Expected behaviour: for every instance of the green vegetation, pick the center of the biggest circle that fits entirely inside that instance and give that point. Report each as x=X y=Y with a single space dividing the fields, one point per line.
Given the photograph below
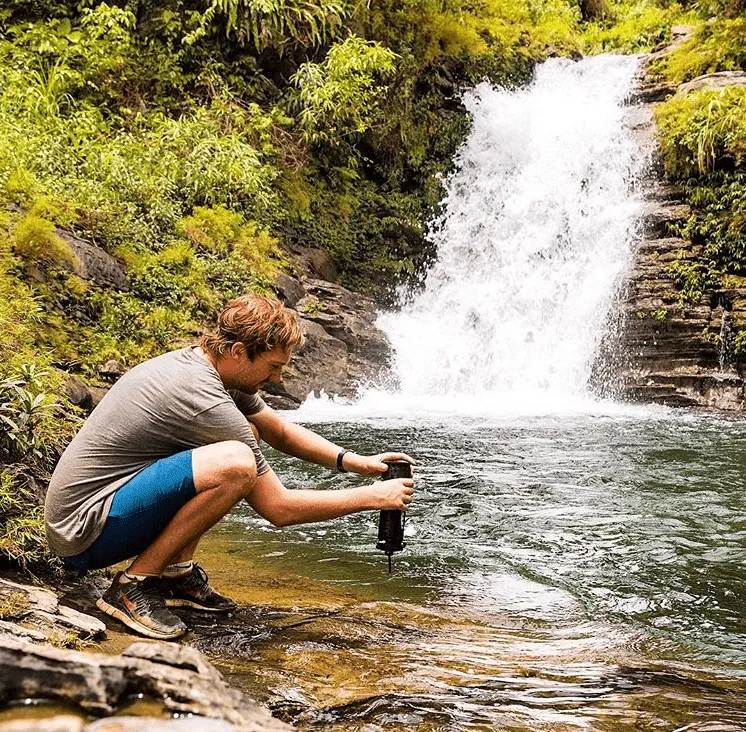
x=703 y=143
x=633 y=27
x=716 y=45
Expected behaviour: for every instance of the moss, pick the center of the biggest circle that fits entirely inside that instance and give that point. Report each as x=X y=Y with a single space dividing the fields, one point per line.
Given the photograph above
x=34 y=238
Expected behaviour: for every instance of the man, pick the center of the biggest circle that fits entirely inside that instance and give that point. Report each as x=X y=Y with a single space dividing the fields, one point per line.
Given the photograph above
x=171 y=449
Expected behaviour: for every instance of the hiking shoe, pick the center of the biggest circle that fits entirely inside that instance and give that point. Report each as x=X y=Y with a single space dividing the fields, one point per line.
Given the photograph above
x=193 y=590
x=139 y=605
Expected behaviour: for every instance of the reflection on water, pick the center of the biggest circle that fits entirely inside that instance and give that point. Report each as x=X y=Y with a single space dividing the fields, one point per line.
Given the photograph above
x=560 y=573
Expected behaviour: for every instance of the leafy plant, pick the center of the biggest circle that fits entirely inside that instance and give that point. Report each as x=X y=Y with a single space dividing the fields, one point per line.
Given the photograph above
x=22 y=534
x=692 y=279
x=23 y=407
x=342 y=94
x=716 y=45
x=702 y=131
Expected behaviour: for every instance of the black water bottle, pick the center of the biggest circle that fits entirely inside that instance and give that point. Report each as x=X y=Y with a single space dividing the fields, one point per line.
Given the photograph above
x=391 y=521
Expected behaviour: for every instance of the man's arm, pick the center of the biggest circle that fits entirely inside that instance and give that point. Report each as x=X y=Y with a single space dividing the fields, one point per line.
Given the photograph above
x=300 y=442
x=283 y=507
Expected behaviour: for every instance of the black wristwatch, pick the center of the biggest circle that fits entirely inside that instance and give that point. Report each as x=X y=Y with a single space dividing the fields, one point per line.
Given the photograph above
x=340 y=467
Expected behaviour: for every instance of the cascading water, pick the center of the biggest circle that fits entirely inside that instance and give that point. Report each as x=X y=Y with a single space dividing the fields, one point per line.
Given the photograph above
x=539 y=227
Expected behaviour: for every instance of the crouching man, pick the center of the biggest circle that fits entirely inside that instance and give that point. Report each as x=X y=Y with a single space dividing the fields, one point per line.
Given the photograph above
x=171 y=449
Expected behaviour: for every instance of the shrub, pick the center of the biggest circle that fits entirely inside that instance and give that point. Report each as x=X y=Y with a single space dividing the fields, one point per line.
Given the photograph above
x=22 y=533
x=342 y=94
x=702 y=131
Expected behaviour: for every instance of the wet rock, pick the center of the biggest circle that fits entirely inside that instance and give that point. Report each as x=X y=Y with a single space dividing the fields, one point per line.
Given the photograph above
x=660 y=216
x=60 y=723
x=172 y=655
x=98 y=684
x=138 y=724
x=648 y=93
x=94 y=263
x=665 y=349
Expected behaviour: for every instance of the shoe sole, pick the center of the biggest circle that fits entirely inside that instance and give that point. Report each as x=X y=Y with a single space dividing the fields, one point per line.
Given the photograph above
x=131 y=623
x=197 y=606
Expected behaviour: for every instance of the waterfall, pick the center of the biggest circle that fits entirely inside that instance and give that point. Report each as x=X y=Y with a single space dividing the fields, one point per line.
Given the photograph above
x=538 y=229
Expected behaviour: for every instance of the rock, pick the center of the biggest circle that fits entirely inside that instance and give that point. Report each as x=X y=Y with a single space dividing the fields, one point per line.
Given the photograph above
x=111 y=370
x=60 y=723
x=718 y=80
x=654 y=92
x=666 y=350
x=288 y=289
x=33 y=599
x=343 y=347
x=94 y=263
x=140 y=724
x=659 y=216
x=78 y=393
x=40 y=609
x=83 y=395
x=172 y=655
x=317 y=263
x=348 y=316
x=321 y=363
x=97 y=394
x=98 y=683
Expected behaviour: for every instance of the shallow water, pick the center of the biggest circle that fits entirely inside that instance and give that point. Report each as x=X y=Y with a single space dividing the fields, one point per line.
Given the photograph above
x=561 y=572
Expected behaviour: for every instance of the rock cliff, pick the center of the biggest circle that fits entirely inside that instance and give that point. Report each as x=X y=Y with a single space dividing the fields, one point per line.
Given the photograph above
x=667 y=348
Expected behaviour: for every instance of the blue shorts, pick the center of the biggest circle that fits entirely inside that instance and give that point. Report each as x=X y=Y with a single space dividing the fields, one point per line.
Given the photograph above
x=141 y=509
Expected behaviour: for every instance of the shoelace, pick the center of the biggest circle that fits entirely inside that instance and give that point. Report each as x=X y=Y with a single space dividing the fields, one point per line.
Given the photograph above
x=198 y=577
x=147 y=590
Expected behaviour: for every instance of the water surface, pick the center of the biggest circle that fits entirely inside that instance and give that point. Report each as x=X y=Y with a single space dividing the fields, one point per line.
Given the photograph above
x=561 y=572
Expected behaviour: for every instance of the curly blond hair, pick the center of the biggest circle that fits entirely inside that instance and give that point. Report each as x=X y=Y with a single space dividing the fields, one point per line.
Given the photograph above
x=260 y=323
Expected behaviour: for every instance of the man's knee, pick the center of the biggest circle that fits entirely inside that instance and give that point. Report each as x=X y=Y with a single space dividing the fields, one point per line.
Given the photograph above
x=229 y=464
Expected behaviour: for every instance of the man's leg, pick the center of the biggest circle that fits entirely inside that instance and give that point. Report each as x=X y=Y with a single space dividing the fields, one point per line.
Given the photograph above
x=223 y=474
x=219 y=476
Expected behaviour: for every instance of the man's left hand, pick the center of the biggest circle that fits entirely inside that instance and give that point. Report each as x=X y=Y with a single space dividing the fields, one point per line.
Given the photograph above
x=371 y=465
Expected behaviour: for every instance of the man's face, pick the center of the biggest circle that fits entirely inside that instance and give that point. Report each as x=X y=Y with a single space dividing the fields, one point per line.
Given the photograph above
x=266 y=366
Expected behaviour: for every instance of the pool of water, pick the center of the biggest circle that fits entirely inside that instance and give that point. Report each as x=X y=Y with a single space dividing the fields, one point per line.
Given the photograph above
x=583 y=570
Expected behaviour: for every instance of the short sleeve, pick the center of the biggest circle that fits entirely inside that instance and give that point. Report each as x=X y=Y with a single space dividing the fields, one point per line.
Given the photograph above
x=225 y=422
x=247 y=404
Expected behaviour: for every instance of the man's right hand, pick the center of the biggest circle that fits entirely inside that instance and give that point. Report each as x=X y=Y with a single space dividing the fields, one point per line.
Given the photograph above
x=394 y=494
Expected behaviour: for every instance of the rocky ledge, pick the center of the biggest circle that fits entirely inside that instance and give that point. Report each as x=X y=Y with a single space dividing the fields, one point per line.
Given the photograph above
x=38 y=663
x=674 y=351
x=343 y=350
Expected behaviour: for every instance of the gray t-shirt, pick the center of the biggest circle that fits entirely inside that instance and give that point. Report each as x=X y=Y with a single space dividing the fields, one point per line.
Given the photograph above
x=166 y=405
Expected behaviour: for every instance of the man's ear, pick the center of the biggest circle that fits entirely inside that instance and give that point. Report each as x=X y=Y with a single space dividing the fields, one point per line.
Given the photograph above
x=238 y=350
